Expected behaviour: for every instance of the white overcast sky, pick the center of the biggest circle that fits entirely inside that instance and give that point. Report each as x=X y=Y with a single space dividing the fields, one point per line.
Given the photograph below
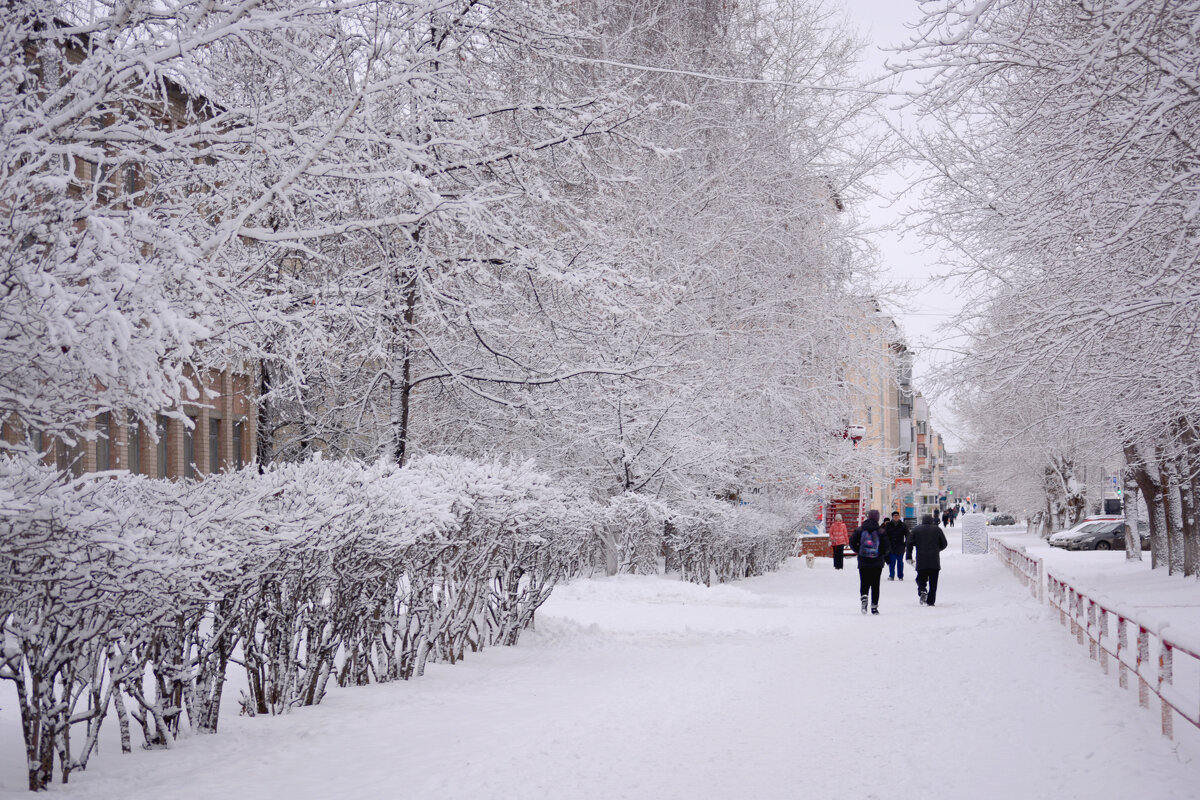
x=904 y=258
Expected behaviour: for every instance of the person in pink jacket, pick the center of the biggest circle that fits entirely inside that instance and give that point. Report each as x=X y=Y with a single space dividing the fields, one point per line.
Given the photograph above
x=839 y=537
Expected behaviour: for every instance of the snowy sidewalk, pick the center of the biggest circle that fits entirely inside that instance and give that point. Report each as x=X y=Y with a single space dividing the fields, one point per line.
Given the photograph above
x=1155 y=597
x=650 y=688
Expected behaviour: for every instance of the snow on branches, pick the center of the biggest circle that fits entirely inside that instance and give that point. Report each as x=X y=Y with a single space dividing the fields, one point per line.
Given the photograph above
x=1064 y=144
x=138 y=595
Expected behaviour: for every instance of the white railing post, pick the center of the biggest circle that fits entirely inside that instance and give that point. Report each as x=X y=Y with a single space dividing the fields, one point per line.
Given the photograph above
x=1060 y=595
x=1166 y=677
x=1122 y=646
x=1091 y=629
x=1081 y=616
x=1143 y=655
x=1103 y=635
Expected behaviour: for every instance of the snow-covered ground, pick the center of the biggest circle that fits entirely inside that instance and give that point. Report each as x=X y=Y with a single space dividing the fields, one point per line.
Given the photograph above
x=775 y=687
x=1153 y=597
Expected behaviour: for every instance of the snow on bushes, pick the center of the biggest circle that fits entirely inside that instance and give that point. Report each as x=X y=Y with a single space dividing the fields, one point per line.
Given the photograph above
x=136 y=595
x=708 y=540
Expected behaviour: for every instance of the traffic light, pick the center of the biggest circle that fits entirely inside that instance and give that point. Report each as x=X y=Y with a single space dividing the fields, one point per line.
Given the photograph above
x=949 y=491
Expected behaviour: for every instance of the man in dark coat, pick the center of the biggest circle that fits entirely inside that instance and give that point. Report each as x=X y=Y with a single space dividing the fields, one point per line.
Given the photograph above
x=929 y=542
x=872 y=548
x=896 y=533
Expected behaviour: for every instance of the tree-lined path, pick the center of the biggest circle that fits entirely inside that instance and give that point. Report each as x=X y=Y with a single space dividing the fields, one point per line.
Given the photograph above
x=652 y=688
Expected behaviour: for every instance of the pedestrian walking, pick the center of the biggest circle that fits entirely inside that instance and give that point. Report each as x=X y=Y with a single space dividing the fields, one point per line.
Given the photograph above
x=946 y=519
x=896 y=533
x=929 y=541
x=839 y=537
x=871 y=546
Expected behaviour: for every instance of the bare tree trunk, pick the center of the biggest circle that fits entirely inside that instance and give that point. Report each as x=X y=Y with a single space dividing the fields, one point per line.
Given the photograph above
x=122 y=719
x=28 y=699
x=1189 y=491
x=1187 y=527
x=1151 y=494
x=1169 y=480
x=402 y=373
x=1192 y=531
x=264 y=431
x=1133 y=538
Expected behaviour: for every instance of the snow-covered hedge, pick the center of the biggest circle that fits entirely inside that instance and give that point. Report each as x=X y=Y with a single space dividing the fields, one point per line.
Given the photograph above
x=136 y=595
x=708 y=540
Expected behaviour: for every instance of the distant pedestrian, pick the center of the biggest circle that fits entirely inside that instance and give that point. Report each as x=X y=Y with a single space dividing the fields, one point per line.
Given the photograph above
x=871 y=546
x=839 y=537
x=895 y=532
x=929 y=541
x=946 y=518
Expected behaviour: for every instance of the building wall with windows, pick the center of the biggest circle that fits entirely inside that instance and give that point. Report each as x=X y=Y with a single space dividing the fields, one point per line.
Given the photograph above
x=219 y=434
x=194 y=440
x=876 y=404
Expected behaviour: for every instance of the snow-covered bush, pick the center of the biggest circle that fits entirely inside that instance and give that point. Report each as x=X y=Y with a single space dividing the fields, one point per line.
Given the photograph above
x=137 y=595
x=708 y=540
x=631 y=534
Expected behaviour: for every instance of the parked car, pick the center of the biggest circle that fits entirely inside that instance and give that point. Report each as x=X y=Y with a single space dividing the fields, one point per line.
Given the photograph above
x=1001 y=519
x=1102 y=536
x=1061 y=538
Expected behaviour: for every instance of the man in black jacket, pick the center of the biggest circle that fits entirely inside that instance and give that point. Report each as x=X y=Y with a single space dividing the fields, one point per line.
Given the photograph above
x=929 y=542
x=896 y=533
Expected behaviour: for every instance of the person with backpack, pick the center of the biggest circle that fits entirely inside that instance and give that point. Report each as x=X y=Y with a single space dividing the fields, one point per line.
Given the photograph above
x=896 y=533
x=929 y=541
x=839 y=537
x=872 y=549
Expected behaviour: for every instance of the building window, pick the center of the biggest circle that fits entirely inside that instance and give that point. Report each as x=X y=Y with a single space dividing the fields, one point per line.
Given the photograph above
x=870 y=416
x=214 y=445
x=68 y=459
x=921 y=451
x=133 y=439
x=189 y=448
x=37 y=440
x=239 y=435
x=103 y=439
x=160 y=429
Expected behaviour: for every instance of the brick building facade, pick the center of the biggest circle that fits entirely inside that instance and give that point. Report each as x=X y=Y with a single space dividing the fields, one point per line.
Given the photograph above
x=219 y=435
x=220 y=431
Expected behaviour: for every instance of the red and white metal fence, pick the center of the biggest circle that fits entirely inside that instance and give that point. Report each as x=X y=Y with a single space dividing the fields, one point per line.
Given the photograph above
x=1029 y=570
x=1091 y=623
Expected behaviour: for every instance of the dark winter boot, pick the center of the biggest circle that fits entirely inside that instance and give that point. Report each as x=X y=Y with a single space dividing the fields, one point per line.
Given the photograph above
x=924 y=597
x=875 y=610
x=864 y=603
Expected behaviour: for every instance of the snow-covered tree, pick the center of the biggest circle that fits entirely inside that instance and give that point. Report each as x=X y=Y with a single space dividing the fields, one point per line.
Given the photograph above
x=1063 y=138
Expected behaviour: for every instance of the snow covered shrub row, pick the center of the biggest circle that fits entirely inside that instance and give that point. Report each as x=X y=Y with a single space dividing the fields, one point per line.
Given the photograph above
x=630 y=528
x=709 y=540
x=703 y=540
x=136 y=596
